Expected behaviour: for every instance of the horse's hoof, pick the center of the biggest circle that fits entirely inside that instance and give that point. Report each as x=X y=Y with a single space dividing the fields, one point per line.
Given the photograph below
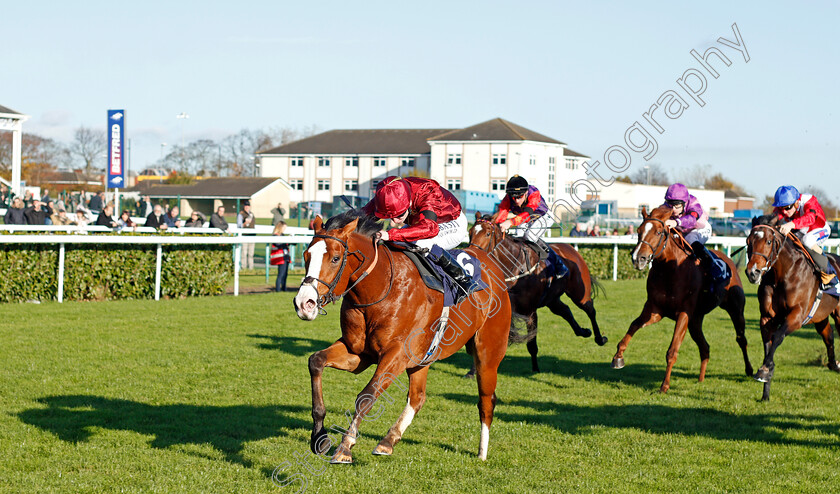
x=383 y=449
x=601 y=341
x=618 y=363
x=342 y=457
x=320 y=442
x=762 y=376
x=664 y=389
x=583 y=332
x=469 y=375
x=749 y=370
x=835 y=367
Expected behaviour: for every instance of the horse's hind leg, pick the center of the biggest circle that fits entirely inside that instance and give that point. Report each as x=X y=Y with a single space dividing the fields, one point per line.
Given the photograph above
x=336 y=356
x=559 y=308
x=648 y=316
x=733 y=304
x=416 y=399
x=824 y=330
x=695 y=329
x=531 y=345
x=487 y=357
x=470 y=347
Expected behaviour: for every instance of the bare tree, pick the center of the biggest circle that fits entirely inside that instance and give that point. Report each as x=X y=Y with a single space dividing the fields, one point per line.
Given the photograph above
x=652 y=174
x=89 y=147
x=696 y=176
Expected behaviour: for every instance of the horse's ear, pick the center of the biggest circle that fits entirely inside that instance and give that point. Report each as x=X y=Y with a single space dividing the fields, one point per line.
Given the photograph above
x=477 y=215
x=318 y=223
x=644 y=212
x=350 y=227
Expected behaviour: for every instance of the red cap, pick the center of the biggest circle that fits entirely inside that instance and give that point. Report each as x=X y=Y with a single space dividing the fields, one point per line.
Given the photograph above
x=393 y=196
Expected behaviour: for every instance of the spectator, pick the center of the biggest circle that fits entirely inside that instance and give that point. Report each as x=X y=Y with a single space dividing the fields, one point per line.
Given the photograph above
x=106 y=219
x=576 y=231
x=125 y=221
x=46 y=197
x=14 y=215
x=172 y=218
x=614 y=232
x=245 y=220
x=280 y=257
x=278 y=214
x=145 y=208
x=5 y=196
x=197 y=220
x=631 y=230
x=217 y=219
x=60 y=218
x=596 y=231
x=81 y=219
x=36 y=215
x=50 y=209
x=96 y=203
x=156 y=219
x=28 y=199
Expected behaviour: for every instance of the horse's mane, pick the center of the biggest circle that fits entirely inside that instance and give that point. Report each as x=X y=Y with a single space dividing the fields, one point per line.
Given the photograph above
x=367 y=225
x=767 y=219
x=486 y=217
x=663 y=212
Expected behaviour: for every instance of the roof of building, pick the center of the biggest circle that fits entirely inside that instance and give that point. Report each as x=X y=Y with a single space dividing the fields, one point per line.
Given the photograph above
x=4 y=109
x=218 y=188
x=361 y=141
x=497 y=129
x=573 y=154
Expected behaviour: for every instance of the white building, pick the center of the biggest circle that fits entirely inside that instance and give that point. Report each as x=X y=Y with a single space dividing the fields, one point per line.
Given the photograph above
x=630 y=198
x=478 y=158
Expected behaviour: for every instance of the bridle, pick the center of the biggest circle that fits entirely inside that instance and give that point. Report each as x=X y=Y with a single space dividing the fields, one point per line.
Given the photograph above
x=330 y=296
x=495 y=241
x=775 y=249
x=663 y=238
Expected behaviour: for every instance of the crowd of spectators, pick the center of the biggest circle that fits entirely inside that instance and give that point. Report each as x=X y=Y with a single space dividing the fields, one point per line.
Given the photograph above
x=585 y=230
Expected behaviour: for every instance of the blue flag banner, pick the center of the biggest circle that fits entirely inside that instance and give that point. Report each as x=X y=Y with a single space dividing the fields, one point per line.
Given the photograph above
x=116 y=146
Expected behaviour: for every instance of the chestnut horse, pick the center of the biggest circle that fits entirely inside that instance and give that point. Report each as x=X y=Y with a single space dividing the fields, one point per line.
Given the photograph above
x=675 y=291
x=388 y=318
x=529 y=291
x=786 y=294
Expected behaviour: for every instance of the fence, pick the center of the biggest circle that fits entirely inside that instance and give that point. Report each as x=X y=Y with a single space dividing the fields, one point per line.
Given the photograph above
x=62 y=236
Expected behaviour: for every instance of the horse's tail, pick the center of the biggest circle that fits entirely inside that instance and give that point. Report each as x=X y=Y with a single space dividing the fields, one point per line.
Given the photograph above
x=597 y=287
x=519 y=331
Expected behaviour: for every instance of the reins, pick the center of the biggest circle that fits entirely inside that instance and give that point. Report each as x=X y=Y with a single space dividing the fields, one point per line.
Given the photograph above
x=775 y=251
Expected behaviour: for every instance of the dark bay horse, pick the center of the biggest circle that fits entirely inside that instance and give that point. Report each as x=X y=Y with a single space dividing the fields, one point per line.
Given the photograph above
x=675 y=291
x=388 y=318
x=530 y=289
x=786 y=294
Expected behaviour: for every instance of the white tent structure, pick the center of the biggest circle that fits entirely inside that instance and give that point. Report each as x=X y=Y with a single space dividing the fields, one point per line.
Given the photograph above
x=12 y=121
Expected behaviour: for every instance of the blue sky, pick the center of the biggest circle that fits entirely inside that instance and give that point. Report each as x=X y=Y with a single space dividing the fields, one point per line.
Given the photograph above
x=581 y=72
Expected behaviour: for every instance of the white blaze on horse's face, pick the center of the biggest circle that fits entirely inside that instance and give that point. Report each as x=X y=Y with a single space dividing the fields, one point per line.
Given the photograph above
x=477 y=228
x=306 y=300
x=647 y=229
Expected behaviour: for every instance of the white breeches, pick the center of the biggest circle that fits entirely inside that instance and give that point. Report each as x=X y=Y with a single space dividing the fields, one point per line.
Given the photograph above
x=450 y=234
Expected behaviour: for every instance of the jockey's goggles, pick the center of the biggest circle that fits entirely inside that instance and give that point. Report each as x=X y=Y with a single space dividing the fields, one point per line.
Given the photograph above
x=674 y=202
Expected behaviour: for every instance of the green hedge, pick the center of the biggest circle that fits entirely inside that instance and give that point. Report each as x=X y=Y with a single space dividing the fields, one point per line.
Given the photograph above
x=599 y=258
x=112 y=271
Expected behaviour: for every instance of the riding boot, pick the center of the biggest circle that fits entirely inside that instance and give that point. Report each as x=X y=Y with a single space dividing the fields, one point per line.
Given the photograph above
x=826 y=277
x=560 y=268
x=455 y=271
x=705 y=259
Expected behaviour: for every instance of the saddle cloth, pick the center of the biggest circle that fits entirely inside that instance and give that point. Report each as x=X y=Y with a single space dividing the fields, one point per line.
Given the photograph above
x=433 y=275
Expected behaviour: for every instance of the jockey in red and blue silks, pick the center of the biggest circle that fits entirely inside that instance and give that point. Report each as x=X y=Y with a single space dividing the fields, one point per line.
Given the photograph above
x=804 y=213
x=425 y=214
x=523 y=204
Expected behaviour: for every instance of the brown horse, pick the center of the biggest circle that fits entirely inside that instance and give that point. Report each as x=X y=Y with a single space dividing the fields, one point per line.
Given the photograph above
x=675 y=291
x=389 y=318
x=529 y=289
x=786 y=294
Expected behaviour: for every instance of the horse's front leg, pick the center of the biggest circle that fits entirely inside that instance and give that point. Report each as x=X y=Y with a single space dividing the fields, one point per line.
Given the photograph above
x=649 y=315
x=416 y=398
x=674 y=349
x=791 y=323
x=339 y=357
x=391 y=364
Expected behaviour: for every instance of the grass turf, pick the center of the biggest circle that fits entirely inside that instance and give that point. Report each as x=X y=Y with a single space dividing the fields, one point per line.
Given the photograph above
x=212 y=394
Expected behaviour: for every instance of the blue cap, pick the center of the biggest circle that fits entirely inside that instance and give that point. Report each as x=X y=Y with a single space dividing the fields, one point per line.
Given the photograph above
x=785 y=196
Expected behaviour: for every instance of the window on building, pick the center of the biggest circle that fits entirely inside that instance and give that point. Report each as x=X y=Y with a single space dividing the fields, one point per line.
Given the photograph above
x=378 y=161
x=323 y=161
x=497 y=184
x=408 y=162
x=532 y=160
x=568 y=189
x=453 y=184
x=373 y=184
x=323 y=185
x=297 y=161
x=354 y=161
x=570 y=164
x=296 y=184
x=351 y=186
x=453 y=159
x=551 y=160
x=499 y=159
x=643 y=206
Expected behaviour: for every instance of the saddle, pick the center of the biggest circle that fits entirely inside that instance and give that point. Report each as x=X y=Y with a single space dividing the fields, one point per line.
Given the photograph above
x=542 y=253
x=428 y=273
